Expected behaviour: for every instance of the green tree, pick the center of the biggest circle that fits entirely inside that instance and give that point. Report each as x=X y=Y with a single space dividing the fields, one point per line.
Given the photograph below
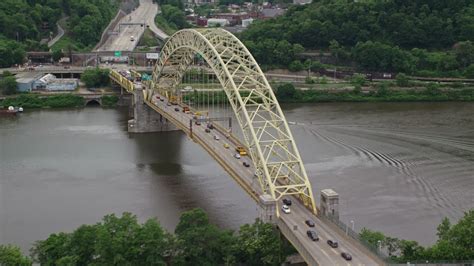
x=8 y=85
x=371 y=237
x=402 y=80
x=358 y=80
x=443 y=228
x=260 y=244
x=464 y=52
x=469 y=72
x=286 y=92
x=12 y=256
x=202 y=243
x=95 y=77
x=295 y=66
x=57 y=54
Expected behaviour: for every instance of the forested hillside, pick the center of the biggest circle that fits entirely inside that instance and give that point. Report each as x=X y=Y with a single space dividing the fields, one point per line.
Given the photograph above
x=28 y=21
x=388 y=35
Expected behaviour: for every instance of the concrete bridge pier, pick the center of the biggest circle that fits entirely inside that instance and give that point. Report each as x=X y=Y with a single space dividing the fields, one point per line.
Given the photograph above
x=144 y=118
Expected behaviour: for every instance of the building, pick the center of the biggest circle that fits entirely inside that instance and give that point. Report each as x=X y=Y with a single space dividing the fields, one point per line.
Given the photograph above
x=268 y=13
x=301 y=2
x=246 y=22
x=25 y=81
x=217 y=22
x=50 y=83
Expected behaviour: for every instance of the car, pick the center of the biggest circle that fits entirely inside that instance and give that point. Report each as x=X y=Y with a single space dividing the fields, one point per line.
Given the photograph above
x=237 y=156
x=285 y=209
x=246 y=164
x=310 y=223
x=176 y=109
x=346 y=256
x=312 y=235
x=210 y=126
x=216 y=137
x=161 y=99
x=198 y=123
x=168 y=104
x=332 y=243
x=207 y=130
x=226 y=145
x=287 y=201
x=132 y=38
x=157 y=97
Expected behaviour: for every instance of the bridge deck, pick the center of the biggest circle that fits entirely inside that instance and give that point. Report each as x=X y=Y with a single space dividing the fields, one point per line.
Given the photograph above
x=292 y=225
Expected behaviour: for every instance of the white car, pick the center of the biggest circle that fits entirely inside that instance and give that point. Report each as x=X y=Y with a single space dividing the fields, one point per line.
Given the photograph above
x=285 y=209
x=237 y=156
x=216 y=137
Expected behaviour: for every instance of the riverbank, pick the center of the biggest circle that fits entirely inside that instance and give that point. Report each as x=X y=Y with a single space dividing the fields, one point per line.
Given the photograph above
x=380 y=96
x=30 y=101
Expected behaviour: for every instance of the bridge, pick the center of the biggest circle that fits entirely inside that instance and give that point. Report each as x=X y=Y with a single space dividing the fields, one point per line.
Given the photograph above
x=273 y=169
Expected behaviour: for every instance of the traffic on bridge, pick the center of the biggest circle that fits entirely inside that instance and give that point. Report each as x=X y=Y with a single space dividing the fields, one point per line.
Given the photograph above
x=260 y=154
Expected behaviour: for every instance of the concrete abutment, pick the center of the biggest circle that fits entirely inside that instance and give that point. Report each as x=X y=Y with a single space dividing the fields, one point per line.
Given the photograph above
x=144 y=118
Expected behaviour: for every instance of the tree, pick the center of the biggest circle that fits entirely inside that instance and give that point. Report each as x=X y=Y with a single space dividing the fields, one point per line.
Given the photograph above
x=57 y=55
x=95 y=77
x=296 y=66
x=8 y=85
x=464 y=52
x=371 y=237
x=402 y=80
x=260 y=244
x=202 y=243
x=12 y=256
x=443 y=228
x=469 y=72
x=286 y=92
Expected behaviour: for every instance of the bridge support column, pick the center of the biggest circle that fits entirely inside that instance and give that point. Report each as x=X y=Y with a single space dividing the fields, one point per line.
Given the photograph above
x=146 y=119
x=267 y=211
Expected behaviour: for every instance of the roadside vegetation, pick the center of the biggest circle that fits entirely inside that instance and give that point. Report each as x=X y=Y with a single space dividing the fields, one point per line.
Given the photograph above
x=25 y=23
x=30 y=101
x=97 y=77
x=380 y=92
x=454 y=243
x=172 y=17
x=109 y=100
x=7 y=83
x=426 y=38
x=124 y=241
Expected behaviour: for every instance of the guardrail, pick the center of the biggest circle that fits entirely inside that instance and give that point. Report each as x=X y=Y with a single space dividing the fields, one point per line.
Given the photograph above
x=290 y=236
x=122 y=81
x=354 y=235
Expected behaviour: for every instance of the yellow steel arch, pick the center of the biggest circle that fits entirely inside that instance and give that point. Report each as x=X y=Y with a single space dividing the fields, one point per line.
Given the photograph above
x=266 y=132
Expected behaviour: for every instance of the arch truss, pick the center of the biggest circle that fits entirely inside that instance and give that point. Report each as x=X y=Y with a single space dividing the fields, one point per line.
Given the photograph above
x=266 y=133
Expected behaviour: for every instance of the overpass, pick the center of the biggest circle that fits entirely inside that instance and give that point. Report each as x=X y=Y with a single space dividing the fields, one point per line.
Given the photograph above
x=275 y=170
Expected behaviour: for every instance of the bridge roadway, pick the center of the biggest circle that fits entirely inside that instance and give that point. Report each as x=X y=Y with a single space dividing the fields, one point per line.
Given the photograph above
x=312 y=252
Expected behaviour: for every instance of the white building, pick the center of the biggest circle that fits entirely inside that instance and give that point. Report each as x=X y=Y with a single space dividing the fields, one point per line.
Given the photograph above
x=217 y=22
x=246 y=22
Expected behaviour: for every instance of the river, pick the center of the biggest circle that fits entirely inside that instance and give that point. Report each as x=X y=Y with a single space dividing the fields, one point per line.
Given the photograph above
x=398 y=167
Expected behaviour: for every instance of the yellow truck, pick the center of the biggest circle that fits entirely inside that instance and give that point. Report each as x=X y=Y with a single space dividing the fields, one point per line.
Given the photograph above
x=241 y=150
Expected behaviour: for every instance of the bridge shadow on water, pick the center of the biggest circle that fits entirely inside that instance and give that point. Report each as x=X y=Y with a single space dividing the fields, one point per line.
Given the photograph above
x=183 y=176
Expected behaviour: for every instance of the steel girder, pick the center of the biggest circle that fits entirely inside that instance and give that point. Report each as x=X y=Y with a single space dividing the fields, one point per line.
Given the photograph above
x=267 y=136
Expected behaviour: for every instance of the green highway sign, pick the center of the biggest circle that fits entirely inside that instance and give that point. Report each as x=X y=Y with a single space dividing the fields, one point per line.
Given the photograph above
x=118 y=53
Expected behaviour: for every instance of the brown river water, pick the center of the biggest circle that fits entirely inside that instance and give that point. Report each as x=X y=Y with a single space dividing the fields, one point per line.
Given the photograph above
x=398 y=167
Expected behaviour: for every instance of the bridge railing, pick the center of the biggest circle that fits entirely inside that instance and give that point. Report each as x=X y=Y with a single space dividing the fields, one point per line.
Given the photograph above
x=122 y=81
x=354 y=235
x=290 y=236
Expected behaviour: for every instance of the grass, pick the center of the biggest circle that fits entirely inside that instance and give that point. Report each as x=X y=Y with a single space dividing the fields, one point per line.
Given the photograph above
x=161 y=23
x=67 y=42
x=35 y=101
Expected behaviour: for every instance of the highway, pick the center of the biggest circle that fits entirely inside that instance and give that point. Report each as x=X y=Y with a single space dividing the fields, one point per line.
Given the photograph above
x=322 y=252
x=144 y=14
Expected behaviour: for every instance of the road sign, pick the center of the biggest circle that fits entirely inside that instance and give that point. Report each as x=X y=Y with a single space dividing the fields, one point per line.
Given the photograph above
x=152 y=55
x=118 y=53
